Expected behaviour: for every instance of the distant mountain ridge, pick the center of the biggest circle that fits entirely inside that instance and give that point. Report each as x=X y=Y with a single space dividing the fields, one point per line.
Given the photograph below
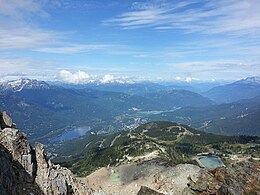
x=236 y=118
x=179 y=98
x=53 y=109
x=242 y=89
x=250 y=80
x=20 y=84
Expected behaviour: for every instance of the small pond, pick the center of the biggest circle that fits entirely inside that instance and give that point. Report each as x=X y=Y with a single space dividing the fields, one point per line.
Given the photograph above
x=210 y=161
x=71 y=134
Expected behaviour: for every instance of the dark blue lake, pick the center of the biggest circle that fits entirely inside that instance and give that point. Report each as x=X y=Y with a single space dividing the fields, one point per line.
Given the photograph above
x=71 y=134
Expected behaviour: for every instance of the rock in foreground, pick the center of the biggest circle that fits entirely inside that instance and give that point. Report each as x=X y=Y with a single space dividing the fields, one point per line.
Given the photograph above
x=27 y=171
x=242 y=178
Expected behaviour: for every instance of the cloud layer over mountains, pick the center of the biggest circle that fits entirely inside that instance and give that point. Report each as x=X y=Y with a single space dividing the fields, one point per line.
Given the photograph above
x=81 y=77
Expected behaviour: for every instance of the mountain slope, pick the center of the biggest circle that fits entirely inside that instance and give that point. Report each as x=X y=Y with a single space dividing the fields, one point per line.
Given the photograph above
x=20 y=84
x=238 y=118
x=179 y=98
x=242 y=89
x=53 y=109
x=168 y=141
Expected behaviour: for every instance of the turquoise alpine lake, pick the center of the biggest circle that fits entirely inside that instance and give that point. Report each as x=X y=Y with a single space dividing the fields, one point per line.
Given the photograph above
x=210 y=161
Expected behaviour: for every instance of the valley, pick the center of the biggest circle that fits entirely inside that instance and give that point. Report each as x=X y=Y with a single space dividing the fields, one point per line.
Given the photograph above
x=46 y=111
x=163 y=141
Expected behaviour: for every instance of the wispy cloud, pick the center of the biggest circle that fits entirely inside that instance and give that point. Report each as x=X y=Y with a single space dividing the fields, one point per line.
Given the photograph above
x=10 y=65
x=13 y=68
x=21 y=10
x=74 y=48
x=26 y=38
x=18 y=30
x=209 y=17
x=217 y=68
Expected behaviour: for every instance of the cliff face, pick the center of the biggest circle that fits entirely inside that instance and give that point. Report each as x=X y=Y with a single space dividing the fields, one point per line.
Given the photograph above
x=24 y=170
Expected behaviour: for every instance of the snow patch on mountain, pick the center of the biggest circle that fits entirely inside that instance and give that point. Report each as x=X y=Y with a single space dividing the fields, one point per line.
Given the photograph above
x=20 y=84
x=250 y=80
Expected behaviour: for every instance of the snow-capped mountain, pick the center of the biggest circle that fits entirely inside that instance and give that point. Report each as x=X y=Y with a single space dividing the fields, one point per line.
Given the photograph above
x=249 y=80
x=20 y=84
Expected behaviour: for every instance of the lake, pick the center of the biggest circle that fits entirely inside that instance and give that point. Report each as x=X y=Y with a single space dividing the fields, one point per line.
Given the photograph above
x=153 y=112
x=71 y=134
x=210 y=161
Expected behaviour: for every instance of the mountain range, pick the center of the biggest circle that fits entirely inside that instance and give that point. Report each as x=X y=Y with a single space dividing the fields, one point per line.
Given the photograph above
x=237 y=118
x=242 y=89
x=45 y=111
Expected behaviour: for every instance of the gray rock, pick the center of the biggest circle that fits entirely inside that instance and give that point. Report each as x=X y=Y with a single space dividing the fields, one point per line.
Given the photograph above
x=12 y=176
x=32 y=170
x=5 y=120
x=54 y=179
x=17 y=144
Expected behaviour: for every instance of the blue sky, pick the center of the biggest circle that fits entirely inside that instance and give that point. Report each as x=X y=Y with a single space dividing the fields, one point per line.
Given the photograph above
x=79 y=41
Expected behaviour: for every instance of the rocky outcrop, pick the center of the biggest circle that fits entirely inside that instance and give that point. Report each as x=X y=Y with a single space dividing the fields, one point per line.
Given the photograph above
x=55 y=179
x=239 y=179
x=32 y=168
x=16 y=143
x=5 y=120
x=12 y=176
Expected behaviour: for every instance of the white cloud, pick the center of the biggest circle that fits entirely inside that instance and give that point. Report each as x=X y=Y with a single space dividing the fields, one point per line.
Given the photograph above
x=81 y=77
x=108 y=78
x=75 y=78
x=186 y=79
